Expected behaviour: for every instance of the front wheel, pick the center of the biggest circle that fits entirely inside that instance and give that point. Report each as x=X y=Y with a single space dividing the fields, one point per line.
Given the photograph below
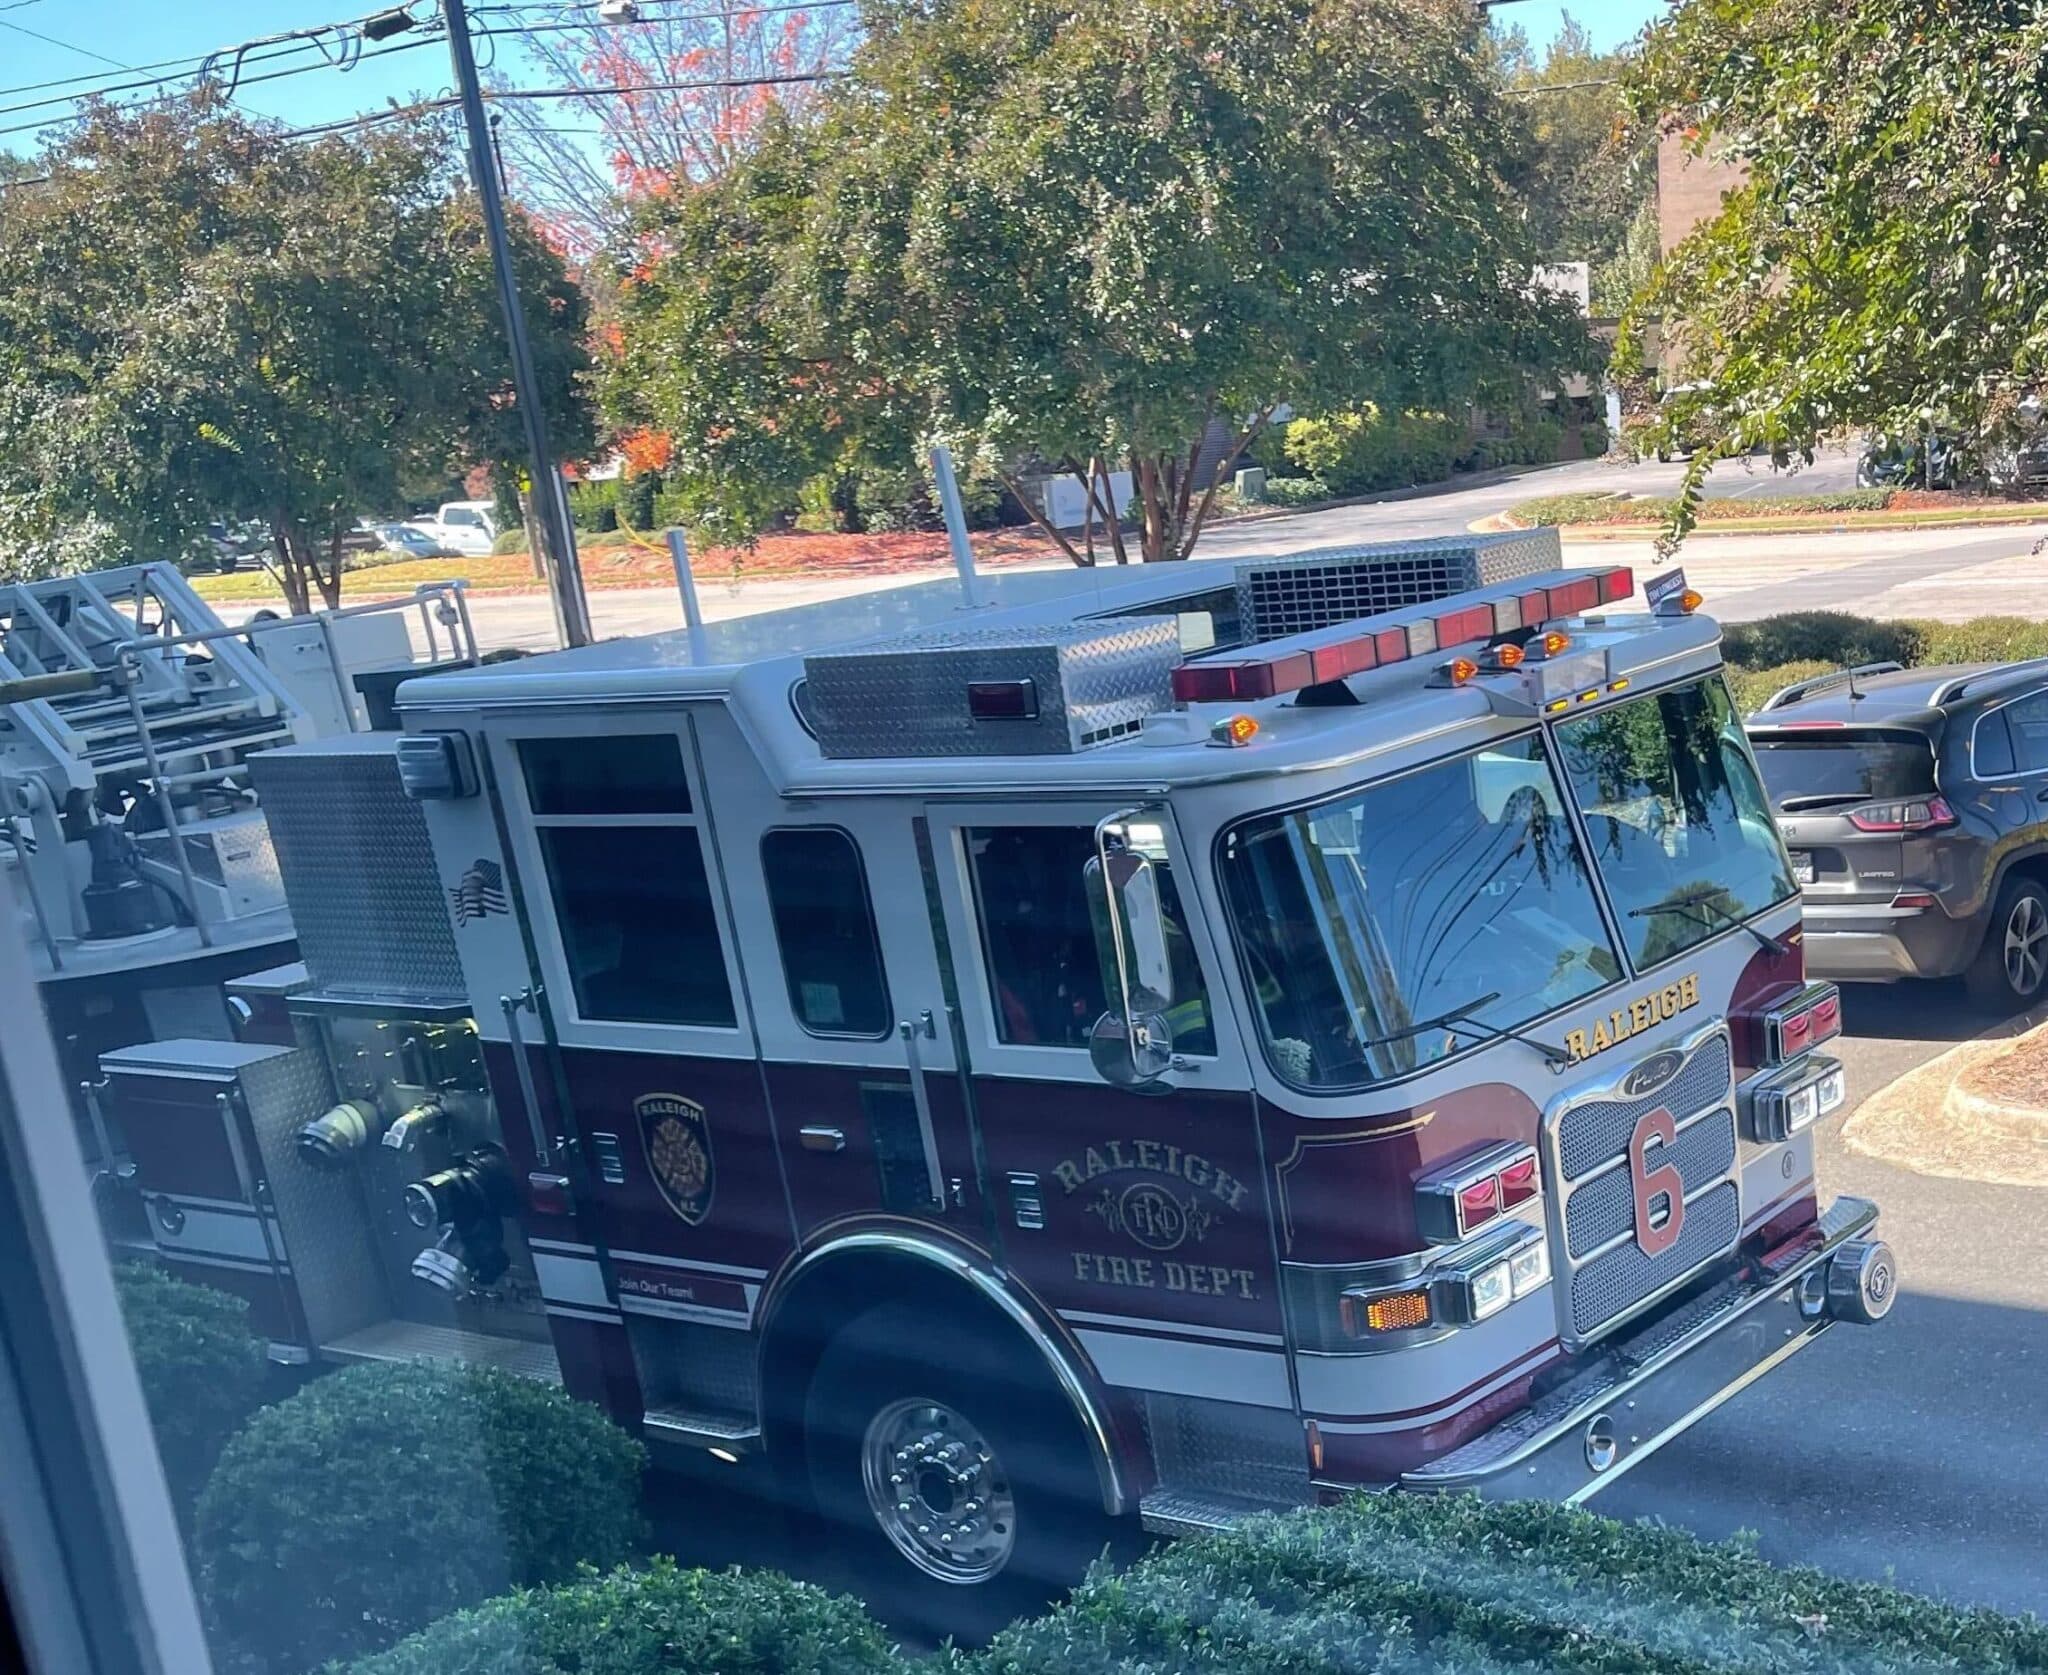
x=2011 y=969
x=960 y=1491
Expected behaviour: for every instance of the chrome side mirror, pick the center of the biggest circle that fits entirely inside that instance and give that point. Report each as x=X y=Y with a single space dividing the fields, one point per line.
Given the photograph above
x=1131 y=1044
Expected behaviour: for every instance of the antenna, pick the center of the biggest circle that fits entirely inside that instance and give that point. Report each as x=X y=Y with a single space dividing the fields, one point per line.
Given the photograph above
x=956 y=525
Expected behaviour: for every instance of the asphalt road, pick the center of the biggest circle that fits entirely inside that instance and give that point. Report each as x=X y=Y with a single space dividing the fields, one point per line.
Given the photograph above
x=1915 y=1451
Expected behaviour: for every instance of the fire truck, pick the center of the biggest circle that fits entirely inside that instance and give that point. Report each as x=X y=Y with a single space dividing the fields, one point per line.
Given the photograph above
x=1157 y=1044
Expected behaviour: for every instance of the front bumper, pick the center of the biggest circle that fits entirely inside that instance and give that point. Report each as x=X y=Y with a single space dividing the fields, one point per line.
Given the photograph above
x=1873 y=943
x=1642 y=1391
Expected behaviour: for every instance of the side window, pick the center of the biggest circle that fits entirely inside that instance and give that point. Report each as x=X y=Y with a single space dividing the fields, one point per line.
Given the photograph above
x=1991 y=754
x=825 y=931
x=1045 y=965
x=625 y=865
x=2028 y=722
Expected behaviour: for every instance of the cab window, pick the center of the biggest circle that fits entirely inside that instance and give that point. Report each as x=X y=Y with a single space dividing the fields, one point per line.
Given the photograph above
x=626 y=870
x=825 y=931
x=1046 y=970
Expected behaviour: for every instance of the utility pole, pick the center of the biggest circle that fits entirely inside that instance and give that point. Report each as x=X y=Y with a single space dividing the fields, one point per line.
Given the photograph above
x=550 y=502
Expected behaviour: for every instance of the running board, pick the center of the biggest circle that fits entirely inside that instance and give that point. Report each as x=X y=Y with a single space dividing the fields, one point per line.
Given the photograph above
x=702 y=1430
x=1183 y=1512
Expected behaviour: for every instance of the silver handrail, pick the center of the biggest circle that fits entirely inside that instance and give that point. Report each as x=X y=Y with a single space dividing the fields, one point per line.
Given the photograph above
x=511 y=1005
x=921 y=1099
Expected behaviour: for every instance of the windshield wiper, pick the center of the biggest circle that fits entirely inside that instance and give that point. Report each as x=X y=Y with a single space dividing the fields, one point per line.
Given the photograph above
x=1820 y=799
x=1460 y=1017
x=1704 y=907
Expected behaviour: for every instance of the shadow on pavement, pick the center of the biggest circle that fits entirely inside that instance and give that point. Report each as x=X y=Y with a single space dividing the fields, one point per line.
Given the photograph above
x=1915 y=1012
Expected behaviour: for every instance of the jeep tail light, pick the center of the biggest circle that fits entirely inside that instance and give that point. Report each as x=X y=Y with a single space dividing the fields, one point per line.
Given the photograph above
x=1455 y=1201
x=1795 y=1026
x=1922 y=814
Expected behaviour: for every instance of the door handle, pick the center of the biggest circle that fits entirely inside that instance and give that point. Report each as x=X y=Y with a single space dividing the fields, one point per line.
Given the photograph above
x=921 y=1100
x=2041 y=796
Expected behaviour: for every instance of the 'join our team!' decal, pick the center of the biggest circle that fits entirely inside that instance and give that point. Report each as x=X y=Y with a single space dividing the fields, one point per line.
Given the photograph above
x=678 y=1142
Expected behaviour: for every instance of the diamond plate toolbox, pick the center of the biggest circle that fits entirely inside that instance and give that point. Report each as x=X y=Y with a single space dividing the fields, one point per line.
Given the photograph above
x=1069 y=687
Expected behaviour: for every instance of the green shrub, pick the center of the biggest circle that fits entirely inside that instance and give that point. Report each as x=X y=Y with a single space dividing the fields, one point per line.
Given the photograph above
x=383 y=1496
x=1364 y=451
x=203 y=1370
x=635 y=500
x=1425 y=1585
x=671 y=509
x=658 y=1621
x=1296 y=491
x=1752 y=686
x=512 y=541
x=1984 y=639
x=594 y=507
x=1836 y=638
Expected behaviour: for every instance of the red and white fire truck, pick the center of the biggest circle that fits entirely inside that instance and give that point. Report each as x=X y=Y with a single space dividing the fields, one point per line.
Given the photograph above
x=1158 y=1043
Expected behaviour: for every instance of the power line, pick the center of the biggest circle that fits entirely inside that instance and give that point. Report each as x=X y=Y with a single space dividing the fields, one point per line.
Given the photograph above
x=245 y=81
x=400 y=113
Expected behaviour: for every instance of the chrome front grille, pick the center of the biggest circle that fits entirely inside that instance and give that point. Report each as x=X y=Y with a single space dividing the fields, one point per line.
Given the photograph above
x=1607 y=1276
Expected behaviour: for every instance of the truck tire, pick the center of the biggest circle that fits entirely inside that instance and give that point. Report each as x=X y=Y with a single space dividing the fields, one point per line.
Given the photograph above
x=949 y=1470
x=2011 y=968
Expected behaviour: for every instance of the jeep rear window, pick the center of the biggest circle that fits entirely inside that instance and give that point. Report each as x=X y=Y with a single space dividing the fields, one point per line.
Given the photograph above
x=1813 y=771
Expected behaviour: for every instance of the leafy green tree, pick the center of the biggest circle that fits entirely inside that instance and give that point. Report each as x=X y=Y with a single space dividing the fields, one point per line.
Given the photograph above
x=202 y=319
x=1885 y=263
x=1586 y=174
x=1076 y=234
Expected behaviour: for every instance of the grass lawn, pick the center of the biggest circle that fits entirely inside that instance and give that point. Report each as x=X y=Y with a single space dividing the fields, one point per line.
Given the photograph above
x=1792 y=513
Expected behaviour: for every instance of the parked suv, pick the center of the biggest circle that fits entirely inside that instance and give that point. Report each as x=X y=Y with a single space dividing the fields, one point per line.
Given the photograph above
x=1915 y=805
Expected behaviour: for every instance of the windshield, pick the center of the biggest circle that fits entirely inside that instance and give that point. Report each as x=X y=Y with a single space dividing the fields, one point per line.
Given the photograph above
x=1813 y=770
x=1674 y=810
x=1408 y=900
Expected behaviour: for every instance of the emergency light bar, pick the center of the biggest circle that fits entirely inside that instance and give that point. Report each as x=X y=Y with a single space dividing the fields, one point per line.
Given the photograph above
x=1341 y=653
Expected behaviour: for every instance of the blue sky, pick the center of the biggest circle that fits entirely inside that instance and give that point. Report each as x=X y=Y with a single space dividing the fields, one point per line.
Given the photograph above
x=99 y=38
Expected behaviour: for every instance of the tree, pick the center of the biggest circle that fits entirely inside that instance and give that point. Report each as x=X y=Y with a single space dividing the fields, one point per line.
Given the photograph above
x=1076 y=233
x=704 y=77
x=201 y=319
x=1585 y=173
x=1885 y=263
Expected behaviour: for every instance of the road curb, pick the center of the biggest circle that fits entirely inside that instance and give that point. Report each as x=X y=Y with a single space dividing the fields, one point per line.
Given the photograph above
x=1962 y=1115
x=1592 y=534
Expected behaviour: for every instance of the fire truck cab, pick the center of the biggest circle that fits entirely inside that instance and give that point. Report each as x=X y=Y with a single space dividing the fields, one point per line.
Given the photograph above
x=1165 y=1043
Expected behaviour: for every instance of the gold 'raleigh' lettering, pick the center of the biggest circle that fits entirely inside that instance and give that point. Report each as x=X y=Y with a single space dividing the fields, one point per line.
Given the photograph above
x=1153 y=1157
x=1644 y=1012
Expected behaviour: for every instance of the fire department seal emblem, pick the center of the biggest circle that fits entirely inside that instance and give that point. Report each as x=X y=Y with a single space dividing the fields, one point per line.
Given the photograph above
x=678 y=1142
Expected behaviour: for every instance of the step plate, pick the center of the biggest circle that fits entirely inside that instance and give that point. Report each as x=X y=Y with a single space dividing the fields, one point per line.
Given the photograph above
x=1190 y=1512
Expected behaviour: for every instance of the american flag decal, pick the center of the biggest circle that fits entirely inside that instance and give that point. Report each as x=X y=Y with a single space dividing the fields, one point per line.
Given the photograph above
x=479 y=893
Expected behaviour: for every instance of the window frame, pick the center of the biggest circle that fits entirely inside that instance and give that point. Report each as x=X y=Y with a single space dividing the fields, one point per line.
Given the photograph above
x=1617 y=917
x=524 y=826
x=1616 y=944
x=1999 y=709
x=1227 y=1067
x=867 y=899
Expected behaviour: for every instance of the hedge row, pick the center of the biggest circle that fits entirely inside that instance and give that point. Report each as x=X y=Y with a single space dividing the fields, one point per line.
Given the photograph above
x=203 y=1370
x=658 y=1621
x=1774 y=651
x=1383 y=1585
x=383 y=1496
x=1589 y=507
x=1364 y=451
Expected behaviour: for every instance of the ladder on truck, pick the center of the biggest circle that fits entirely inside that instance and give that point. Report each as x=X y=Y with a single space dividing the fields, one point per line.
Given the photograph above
x=188 y=709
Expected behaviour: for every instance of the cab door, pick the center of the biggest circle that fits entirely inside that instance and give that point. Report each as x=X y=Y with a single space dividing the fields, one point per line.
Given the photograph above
x=1141 y=1219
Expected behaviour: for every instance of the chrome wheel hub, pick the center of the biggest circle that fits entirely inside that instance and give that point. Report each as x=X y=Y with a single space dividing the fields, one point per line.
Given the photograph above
x=938 y=1491
x=2026 y=946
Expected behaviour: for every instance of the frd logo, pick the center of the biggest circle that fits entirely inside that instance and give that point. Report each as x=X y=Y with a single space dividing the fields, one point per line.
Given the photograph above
x=678 y=1142
x=1660 y=1192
